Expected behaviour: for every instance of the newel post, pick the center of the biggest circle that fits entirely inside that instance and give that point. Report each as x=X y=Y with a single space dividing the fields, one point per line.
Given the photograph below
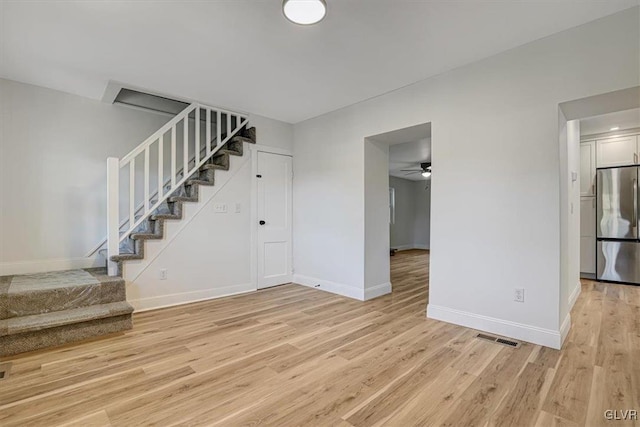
x=113 y=214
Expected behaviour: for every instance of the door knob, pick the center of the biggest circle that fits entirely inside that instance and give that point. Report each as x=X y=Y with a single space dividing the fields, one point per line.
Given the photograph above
x=262 y=222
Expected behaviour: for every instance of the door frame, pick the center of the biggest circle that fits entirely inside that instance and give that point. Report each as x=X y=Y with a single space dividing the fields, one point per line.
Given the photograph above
x=255 y=148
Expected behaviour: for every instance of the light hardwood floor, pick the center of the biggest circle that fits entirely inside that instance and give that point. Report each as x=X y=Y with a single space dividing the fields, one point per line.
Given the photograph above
x=297 y=356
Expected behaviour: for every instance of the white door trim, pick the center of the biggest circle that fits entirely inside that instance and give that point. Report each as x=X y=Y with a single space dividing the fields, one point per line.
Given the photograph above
x=255 y=148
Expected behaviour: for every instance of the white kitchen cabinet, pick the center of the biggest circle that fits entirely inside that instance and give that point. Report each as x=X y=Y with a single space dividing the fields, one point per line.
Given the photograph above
x=588 y=235
x=588 y=169
x=618 y=151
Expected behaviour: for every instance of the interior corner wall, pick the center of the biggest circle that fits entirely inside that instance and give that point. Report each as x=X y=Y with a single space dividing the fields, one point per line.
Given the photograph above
x=573 y=148
x=496 y=191
x=377 y=279
x=569 y=138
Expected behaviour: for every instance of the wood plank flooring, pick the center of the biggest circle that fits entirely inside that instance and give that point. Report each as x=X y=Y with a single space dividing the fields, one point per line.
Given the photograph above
x=292 y=355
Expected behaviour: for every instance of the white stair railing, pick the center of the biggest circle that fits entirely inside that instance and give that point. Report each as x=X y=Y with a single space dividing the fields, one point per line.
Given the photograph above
x=124 y=222
x=227 y=122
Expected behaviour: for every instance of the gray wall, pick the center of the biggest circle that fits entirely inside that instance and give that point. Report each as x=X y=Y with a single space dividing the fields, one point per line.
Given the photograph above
x=422 y=221
x=412 y=216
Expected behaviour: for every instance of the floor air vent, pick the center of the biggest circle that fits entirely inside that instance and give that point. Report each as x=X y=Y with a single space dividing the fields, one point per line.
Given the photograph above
x=4 y=371
x=508 y=343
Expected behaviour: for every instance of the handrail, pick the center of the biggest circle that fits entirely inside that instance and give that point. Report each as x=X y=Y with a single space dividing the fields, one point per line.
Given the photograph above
x=234 y=123
x=171 y=123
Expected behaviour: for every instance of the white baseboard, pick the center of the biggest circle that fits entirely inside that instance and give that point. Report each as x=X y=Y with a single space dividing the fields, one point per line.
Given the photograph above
x=533 y=334
x=423 y=247
x=44 y=265
x=565 y=327
x=574 y=295
x=333 y=287
x=377 y=291
x=163 y=301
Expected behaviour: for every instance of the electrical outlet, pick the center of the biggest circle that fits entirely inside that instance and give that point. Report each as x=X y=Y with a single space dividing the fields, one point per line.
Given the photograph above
x=519 y=295
x=220 y=208
x=238 y=207
x=163 y=274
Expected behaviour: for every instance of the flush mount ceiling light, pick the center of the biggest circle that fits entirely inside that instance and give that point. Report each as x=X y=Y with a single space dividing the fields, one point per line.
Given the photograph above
x=615 y=128
x=304 y=12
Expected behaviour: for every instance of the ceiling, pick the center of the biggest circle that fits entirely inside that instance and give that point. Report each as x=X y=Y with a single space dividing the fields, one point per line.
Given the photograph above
x=409 y=155
x=627 y=119
x=408 y=134
x=244 y=55
x=408 y=147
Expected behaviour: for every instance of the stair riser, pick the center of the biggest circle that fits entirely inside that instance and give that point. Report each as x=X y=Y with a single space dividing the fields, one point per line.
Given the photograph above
x=220 y=159
x=249 y=133
x=53 y=337
x=236 y=146
x=59 y=299
x=193 y=191
x=207 y=175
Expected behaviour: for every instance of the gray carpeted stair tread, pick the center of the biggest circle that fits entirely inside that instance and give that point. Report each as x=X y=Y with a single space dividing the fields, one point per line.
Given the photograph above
x=199 y=182
x=174 y=199
x=19 y=325
x=126 y=257
x=160 y=216
x=214 y=167
x=145 y=236
x=230 y=152
x=249 y=134
x=58 y=291
x=241 y=139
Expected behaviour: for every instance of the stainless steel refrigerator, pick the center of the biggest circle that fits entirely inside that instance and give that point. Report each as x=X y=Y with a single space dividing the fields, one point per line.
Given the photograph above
x=618 y=241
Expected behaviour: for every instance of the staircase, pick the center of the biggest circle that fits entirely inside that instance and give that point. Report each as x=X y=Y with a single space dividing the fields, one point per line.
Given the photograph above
x=55 y=308
x=152 y=227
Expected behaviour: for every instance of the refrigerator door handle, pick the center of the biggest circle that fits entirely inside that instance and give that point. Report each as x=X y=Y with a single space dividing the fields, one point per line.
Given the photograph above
x=635 y=204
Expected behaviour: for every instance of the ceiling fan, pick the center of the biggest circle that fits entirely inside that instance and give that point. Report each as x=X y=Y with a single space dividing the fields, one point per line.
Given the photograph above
x=425 y=170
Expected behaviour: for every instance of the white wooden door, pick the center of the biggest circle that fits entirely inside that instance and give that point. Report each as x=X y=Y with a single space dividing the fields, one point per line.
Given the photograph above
x=588 y=235
x=274 y=204
x=619 y=151
x=588 y=169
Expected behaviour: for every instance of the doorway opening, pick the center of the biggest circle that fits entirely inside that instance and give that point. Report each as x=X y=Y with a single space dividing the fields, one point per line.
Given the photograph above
x=609 y=148
x=592 y=153
x=408 y=171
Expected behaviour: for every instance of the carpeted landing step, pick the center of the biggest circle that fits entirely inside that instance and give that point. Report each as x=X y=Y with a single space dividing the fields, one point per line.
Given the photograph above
x=51 y=309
